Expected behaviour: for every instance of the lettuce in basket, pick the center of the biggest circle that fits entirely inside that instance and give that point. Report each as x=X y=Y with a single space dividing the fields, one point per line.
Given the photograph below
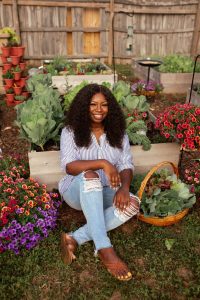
x=166 y=195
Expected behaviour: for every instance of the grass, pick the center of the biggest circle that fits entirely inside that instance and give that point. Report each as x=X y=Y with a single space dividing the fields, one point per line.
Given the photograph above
x=158 y=272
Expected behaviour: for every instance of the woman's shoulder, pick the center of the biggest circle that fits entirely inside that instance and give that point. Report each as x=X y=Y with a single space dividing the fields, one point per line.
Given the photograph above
x=67 y=131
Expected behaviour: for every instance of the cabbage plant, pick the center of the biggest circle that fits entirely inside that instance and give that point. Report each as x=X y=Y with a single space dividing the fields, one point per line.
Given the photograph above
x=40 y=118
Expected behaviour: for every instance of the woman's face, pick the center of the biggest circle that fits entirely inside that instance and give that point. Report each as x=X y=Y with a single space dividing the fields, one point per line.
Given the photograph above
x=98 y=108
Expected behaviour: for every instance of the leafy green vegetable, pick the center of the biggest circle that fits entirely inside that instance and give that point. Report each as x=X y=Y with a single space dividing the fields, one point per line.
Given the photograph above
x=41 y=117
x=71 y=93
x=166 y=195
x=175 y=63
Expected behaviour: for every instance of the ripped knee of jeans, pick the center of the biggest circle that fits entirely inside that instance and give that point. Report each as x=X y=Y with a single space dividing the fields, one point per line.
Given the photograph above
x=92 y=184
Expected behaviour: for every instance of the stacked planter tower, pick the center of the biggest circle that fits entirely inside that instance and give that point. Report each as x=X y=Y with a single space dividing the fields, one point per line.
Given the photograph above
x=14 y=74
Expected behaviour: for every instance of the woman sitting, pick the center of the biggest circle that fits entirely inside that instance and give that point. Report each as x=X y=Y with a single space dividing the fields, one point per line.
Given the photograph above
x=95 y=153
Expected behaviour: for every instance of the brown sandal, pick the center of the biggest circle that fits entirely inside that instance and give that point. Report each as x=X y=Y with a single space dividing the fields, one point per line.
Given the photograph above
x=68 y=247
x=114 y=264
x=114 y=267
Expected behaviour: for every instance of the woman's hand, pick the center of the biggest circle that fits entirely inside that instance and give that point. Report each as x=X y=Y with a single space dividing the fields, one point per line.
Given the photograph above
x=112 y=174
x=122 y=198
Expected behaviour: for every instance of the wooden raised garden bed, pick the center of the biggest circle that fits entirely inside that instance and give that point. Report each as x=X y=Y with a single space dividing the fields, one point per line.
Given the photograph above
x=45 y=166
x=172 y=82
x=61 y=81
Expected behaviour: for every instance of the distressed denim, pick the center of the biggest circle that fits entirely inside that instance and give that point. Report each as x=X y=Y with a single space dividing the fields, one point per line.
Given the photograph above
x=96 y=202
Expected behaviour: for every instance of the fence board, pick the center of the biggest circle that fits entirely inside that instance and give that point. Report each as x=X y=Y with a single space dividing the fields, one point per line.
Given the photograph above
x=46 y=28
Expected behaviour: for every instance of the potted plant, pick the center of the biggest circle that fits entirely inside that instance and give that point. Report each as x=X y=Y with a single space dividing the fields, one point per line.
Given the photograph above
x=17 y=89
x=8 y=77
x=7 y=66
x=3 y=59
x=12 y=38
x=17 y=72
x=9 y=96
x=19 y=99
x=15 y=59
x=22 y=65
x=181 y=122
x=165 y=199
x=150 y=89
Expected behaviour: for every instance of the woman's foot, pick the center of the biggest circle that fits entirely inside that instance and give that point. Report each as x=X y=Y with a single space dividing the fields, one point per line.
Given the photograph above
x=68 y=248
x=114 y=264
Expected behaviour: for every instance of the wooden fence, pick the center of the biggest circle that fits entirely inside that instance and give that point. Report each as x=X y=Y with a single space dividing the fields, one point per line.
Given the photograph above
x=80 y=29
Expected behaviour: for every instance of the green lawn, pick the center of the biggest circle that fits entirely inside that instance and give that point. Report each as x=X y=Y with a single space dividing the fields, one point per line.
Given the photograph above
x=158 y=273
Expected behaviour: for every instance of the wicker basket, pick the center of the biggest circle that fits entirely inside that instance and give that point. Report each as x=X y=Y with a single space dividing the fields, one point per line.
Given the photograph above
x=160 y=221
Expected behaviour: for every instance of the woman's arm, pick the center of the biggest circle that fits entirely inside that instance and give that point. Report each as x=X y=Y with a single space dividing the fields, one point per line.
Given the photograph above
x=76 y=167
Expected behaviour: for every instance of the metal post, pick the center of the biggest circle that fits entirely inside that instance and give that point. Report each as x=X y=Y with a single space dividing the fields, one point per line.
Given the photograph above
x=193 y=77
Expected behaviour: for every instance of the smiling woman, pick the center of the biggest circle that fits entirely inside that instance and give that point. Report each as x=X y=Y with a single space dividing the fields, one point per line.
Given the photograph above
x=95 y=154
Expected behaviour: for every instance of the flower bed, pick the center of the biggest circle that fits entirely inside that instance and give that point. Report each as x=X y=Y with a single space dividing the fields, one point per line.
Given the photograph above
x=27 y=212
x=181 y=121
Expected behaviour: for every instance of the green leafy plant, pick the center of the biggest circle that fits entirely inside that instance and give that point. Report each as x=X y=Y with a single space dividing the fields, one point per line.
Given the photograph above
x=136 y=131
x=13 y=38
x=71 y=93
x=41 y=117
x=20 y=98
x=166 y=195
x=16 y=69
x=10 y=91
x=38 y=82
x=8 y=75
x=175 y=63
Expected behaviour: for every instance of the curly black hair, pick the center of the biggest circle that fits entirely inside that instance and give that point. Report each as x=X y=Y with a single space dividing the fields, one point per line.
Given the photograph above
x=78 y=117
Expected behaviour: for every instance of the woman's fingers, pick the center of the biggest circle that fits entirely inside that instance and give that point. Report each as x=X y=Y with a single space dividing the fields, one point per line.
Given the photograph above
x=115 y=181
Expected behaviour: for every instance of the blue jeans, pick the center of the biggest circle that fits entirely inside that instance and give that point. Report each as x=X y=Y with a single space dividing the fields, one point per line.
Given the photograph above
x=96 y=202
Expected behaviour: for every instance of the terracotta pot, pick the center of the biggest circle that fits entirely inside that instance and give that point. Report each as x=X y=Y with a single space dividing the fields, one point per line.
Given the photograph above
x=15 y=60
x=22 y=65
x=4 y=59
x=16 y=102
x=5 y=51
x=26 y=94
x=17 y=90
x=10 y=97
x=17 y=51
x=4 y=72
x=22 y=81
x=6 y=87
x=9 y=82
x=17 y=75
x=7 y=66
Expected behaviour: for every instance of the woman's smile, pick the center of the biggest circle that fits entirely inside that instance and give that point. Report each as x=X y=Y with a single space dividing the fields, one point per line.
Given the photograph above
x=98 y=108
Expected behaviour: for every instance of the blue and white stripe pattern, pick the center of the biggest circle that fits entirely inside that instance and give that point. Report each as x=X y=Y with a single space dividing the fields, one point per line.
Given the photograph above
x=120 y=158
